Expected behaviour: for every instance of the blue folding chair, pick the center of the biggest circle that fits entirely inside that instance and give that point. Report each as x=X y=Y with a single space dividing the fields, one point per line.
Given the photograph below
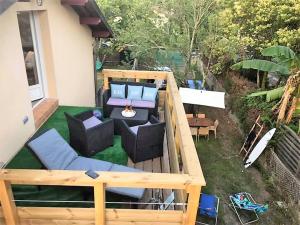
x=191 y=84
x=208 y=207
x=199 y=84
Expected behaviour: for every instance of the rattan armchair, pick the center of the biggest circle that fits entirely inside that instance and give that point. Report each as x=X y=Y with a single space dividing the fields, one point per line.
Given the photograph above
x=146 y=143
x=89 y=140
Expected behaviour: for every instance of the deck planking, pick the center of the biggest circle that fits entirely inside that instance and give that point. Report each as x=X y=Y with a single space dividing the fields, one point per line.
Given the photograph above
x=156 y=165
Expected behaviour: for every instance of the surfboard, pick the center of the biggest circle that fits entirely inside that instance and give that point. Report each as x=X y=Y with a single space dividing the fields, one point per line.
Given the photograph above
x=259 y=148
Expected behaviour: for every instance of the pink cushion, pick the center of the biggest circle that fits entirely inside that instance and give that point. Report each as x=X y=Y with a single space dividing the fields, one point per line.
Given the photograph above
x=118 y=101
x=143 y=104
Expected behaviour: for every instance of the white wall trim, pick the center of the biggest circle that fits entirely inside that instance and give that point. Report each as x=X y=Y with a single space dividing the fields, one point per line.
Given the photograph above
x=39 y=50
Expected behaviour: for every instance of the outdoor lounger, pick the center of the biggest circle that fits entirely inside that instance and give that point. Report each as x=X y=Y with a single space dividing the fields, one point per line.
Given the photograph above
x=56 y=154
x=244 y=201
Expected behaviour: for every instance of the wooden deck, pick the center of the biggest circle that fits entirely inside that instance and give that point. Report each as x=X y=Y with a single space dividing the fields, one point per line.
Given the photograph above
x=179 y=170
x=156 y=165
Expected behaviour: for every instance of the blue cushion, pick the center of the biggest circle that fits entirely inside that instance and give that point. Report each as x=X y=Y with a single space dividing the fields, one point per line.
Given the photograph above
x=97 y=113
x=53 y=151
x=191 y=84
x=117 y=90
x=134 y=92
x=132 y=192
x=91 y=122
x=208 y=205
x=149 y=94
x=199 y=84
x=83 y=163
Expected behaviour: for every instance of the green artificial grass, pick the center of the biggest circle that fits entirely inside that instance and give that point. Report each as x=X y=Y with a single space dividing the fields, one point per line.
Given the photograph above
x=25 y=160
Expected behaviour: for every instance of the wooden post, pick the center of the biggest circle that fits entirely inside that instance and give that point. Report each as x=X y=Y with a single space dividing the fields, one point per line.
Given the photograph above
x=7 y=203
x=105 y=82
x=192 y=205
x=99 y=199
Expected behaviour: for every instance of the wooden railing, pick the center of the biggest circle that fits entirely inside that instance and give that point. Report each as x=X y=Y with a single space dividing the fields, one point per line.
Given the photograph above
x=186 y=179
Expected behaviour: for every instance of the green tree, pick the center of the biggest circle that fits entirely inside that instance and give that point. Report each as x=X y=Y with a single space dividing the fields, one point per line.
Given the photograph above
x=248 y=26
x=135 y=26
x=149 y=25
x=187 y=18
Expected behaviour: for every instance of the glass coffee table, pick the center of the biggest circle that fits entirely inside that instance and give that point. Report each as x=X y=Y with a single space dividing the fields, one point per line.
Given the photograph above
x=141 y=117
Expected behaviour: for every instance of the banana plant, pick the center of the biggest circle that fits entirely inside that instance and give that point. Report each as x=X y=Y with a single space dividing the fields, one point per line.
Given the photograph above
x=282 y=60
x=283 y=55
x=271 y=95
x=261 y=65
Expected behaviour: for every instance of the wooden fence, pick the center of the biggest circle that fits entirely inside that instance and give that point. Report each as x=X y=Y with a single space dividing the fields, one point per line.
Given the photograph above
x=288 y=150
x=186 y=179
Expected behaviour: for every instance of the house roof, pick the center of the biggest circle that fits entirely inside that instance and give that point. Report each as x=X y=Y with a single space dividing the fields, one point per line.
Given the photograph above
x=91 y=15
x=88 y=11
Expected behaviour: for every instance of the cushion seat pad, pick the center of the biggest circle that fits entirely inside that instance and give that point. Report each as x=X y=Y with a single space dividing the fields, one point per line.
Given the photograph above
x=91 y=122
x=83 y=163
x=132 y=192
x=143 y=104
x=118 y=101
x=53 y=151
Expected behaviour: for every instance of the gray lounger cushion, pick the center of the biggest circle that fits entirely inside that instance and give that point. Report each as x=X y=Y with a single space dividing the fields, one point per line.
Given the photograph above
x=53 y=151
x=56 y=154
x=132 y=192
x=83 y=163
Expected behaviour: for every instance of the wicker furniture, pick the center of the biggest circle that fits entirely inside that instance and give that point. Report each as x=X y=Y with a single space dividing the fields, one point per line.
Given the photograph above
x=214 y=127
x=203 y=131
x=145 y=141
x=194 y=132
x=87 y=135
x=110 y=103
x=141 y=117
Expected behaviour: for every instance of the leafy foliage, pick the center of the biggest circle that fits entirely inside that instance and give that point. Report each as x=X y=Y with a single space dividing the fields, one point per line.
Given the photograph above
x=261 y=65
x=136 y=25
x=281 y=52
x=270 y=95
x=144 y=27
x=283 y=55
x=240 y=29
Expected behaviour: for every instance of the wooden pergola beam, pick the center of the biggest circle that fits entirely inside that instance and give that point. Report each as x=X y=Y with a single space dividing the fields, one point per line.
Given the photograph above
x=101 y=34
x=90 y=20
x=74 y=2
